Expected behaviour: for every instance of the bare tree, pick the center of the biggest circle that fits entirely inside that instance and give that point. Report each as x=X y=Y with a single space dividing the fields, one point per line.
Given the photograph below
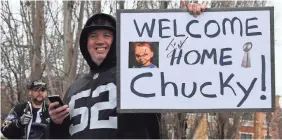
x=68 y=40
x=164 y=4
x=142 y=4
x=13 y=54
x=121 y=4
x=38 y=28
x=74 y=51
x=96 y=7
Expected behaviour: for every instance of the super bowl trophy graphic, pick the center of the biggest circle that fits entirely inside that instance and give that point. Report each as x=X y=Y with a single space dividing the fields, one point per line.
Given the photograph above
x=246 y=63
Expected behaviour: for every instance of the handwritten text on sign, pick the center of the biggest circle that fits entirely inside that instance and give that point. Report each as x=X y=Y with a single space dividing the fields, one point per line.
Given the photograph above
x=220 y=60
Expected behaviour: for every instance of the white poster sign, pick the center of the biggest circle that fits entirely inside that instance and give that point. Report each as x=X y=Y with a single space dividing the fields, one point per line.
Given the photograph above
x=169 y=60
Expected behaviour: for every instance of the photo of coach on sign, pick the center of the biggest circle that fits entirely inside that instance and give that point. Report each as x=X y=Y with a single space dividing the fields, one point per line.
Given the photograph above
x=143 y=55
x=220 y=60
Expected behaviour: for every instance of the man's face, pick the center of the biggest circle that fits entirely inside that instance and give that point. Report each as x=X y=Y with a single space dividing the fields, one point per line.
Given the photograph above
x=143 y=55
x=38 y=95
x=99 y=43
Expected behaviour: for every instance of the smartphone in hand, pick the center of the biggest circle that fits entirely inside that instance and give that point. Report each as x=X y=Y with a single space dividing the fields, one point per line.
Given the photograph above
x=56 y=98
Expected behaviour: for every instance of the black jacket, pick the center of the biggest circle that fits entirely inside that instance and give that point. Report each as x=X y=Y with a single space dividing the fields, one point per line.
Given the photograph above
x=92 y=105
x=12 y=129
x=92 y=102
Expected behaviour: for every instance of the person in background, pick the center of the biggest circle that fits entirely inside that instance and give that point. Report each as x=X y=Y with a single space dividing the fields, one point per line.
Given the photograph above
x=29 y=119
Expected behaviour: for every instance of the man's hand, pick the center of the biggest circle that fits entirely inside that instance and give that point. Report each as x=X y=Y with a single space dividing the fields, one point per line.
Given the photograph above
x=58 y=114
x=196 y=9
x=25 y=118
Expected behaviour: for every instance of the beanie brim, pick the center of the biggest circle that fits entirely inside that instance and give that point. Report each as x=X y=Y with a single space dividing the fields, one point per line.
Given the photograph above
x=86 y=31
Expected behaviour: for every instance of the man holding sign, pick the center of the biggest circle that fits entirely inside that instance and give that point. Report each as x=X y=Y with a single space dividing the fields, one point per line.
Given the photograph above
x=91 y=101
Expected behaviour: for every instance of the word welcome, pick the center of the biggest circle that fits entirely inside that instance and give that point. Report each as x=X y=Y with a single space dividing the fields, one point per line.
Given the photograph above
x=163 y=24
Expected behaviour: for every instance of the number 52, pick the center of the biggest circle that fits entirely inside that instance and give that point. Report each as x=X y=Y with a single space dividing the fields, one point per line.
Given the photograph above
x=94 y=110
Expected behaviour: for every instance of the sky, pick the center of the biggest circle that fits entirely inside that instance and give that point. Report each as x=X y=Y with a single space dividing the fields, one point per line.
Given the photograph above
x=278 y=39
